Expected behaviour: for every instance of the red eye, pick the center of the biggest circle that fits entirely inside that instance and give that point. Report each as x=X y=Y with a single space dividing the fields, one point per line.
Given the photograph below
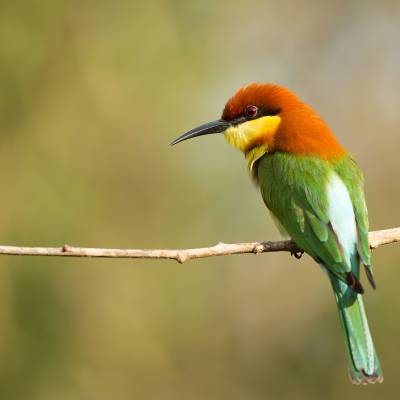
x=251 y=111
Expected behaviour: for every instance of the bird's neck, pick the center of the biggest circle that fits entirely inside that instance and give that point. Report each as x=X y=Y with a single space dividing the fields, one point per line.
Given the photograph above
x=305 y=133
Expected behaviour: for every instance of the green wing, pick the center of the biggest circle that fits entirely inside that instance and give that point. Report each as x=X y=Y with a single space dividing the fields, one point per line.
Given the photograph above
x=350 y=173
x=294 y=189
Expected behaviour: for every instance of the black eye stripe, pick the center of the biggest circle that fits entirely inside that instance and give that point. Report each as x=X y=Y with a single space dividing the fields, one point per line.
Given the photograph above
x=252 y=112
x=261 y=112
x=268 y=111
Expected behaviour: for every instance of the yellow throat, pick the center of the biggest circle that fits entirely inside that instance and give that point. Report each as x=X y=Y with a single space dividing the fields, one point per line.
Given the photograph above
x=253 y=137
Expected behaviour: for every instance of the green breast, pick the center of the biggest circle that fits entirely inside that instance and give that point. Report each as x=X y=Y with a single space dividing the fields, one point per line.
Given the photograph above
x=294 y=189
x=284 y=177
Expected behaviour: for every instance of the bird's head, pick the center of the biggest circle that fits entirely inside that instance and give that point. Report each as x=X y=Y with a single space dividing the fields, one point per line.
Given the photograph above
x=264 y=118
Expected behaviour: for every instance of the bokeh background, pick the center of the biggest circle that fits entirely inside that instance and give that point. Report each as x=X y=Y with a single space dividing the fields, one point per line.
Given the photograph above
x=91 y=94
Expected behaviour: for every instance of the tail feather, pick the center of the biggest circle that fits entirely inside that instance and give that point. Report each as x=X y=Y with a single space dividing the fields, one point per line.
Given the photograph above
x=354 y=283
x=364 y=366
x=370 y=277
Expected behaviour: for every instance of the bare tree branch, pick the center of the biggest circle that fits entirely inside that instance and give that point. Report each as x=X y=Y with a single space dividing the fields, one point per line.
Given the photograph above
x=377 y=238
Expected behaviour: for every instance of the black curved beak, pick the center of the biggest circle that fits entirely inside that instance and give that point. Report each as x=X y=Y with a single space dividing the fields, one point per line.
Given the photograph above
x=218 y=126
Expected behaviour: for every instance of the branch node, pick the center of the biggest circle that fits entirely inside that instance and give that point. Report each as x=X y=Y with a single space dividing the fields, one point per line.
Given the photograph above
x=181 y=258
x=259 y=248
x=66 y=248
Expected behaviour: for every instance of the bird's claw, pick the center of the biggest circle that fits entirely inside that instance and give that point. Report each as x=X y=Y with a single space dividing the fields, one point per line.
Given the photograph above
x=297 y=253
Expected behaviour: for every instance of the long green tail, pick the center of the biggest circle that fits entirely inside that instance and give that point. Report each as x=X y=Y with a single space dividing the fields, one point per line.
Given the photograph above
x=364 y=366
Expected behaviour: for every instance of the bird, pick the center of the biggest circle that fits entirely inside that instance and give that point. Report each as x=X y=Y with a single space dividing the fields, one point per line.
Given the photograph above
x=314 y=190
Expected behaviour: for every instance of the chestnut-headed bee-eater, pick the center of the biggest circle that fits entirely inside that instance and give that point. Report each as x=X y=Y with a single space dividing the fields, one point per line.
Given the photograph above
x=315 y=191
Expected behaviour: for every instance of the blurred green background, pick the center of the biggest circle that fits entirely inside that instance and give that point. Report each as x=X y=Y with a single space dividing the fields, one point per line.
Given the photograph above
x=91 y=94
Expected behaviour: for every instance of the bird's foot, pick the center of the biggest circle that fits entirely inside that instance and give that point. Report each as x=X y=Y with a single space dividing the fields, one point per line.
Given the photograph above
x=297 y=253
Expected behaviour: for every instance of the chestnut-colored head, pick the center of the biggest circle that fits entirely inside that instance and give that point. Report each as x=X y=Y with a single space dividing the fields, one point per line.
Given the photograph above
x=294 y=126
x=264 y=118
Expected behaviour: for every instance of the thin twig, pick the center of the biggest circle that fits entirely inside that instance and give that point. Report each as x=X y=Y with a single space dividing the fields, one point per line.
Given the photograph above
x=377 y=238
